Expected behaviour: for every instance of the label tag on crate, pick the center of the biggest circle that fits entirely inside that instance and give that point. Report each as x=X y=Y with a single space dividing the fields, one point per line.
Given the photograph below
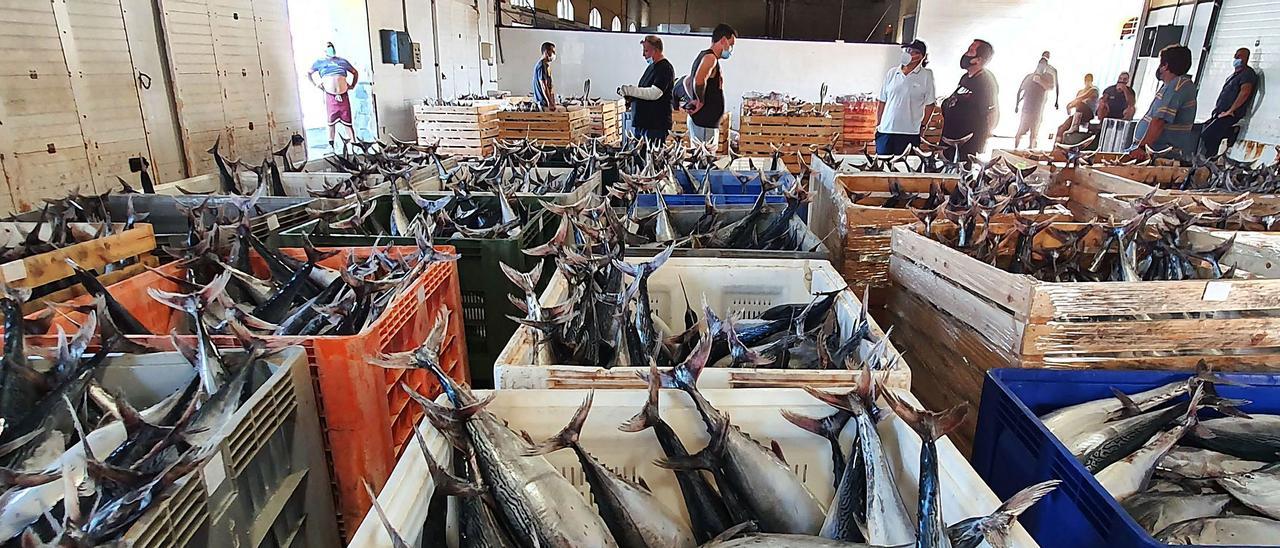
x=215 y=472
x=14 y=271
x=1216 y=291
x=273 y=223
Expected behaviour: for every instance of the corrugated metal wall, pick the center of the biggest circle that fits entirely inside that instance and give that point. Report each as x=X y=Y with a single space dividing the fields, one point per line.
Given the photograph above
x=1253 y=24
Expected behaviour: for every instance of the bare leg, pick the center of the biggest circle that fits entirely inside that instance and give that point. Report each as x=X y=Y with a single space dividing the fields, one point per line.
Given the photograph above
x=333 y=128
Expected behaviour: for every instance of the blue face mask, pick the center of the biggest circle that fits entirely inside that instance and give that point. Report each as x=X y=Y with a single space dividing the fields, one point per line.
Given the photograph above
x=330 y=52
x=1237 y=63
x=726 y=53
x=648 y=60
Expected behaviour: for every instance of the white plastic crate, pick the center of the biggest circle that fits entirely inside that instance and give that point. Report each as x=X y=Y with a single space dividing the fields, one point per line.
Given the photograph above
x=542 y=413
x=748 y=286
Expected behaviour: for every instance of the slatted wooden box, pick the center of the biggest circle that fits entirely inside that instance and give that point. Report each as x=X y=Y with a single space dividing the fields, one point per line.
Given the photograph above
x=37 y=271
x=959 y=317
x=460 y=130
x=559 y=128
x=860 y=119
x=680 y=125
x=792 y=134
x=606 y=120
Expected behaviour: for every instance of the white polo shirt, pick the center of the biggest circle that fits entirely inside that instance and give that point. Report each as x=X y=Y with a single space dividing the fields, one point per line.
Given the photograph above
x=904 y=97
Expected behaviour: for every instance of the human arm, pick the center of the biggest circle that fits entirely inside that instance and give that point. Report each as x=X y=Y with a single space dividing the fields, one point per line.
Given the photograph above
x=1131 y=101
x=649 y=93
x=705 y=66
x=1246 y=91
x=1154 y=130
x=993 y=108
x=355 y=75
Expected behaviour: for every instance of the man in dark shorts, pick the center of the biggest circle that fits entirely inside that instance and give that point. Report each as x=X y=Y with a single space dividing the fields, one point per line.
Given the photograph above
x=333 y=82
x=651 y=100
x=707 y=105
x=972 y=109
x=1233 y=103
x=1117 y=100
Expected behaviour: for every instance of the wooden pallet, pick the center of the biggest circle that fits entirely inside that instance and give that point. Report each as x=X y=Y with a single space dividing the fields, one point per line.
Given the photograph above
x=793 y=134
x=559 y=128
x=1230 y=323
x=459 y=130
x=45 y=268
x=859 y=234
x=606 y=120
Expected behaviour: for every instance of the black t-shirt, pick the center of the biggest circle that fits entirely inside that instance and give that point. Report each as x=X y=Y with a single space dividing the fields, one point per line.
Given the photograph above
x=655 y=114
x=712 y=97
x=966 y=110
x=1116 y=100
x=1231 y=90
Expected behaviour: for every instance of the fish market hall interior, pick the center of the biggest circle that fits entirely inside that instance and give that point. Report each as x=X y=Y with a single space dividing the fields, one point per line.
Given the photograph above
x=639 y=273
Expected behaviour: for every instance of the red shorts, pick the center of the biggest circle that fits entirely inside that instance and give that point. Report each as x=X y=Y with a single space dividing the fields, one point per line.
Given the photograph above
x=339 y=108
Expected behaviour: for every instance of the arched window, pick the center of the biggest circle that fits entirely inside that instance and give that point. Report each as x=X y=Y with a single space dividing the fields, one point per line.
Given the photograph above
x=522 y=3
x=617 y=25
x=631 y=26
x=593 y=19
x=564 y=9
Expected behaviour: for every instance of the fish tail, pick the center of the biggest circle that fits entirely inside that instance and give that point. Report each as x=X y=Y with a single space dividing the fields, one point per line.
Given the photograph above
x=526 y=281
x=828 y=427
x=648 y=415
x=567 y=437
x=839 y=401
x=928 y=424
x=447 y=415
x=396 y=538
x=995 y=527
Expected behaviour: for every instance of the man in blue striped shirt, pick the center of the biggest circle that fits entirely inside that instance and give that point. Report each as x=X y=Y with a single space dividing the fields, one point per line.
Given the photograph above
x=544 y=89
x=1169 y=121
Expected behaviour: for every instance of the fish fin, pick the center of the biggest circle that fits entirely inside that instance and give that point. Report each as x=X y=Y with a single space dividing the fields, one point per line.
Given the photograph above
x=527 y=282
x=828 y=427
x=739 y=530
x=459 y=414
x=1127 y=406
x=1205 y=374
x=838 y=401
x=569 y=435
x=397 y=541
x=14 y=478
x=995 y=527
x=518 y=303
x=447 y=483
x=642 y=483
x=777 y=450
x=928 y=424
x=649 y=414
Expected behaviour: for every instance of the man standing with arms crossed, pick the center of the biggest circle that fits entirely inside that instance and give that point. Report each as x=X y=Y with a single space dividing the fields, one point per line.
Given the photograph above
x=1233 y=103
x=707 y=105
x=333 y=82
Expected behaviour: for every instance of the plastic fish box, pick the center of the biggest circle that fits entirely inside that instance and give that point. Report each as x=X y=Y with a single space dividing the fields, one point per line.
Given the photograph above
x=544 y=412
x=650 y=201
x=365 y=416
x=1014 y=448
x=748 y=286
x=684 y=218
x=726 y=182
x=485 y=306
x=269 y=473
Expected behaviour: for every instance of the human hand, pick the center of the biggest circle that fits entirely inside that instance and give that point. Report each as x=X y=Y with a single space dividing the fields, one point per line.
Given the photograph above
x=694 y=106
x=1226 y=114
x=1139 y=153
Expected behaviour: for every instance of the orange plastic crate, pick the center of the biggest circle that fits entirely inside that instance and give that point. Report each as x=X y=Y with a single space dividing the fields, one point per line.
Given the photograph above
x=366 y=416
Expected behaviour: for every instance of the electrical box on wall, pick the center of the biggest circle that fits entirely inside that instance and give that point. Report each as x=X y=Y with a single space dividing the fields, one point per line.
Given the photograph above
x=415 y=59
x=486 y=51
x=397 y=47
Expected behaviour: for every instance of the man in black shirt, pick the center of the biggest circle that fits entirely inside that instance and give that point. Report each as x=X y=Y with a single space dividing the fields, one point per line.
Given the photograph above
x=1117 y=101
x=972 y=109
x=707 y=105
x=1233 y=103
x=651 y=100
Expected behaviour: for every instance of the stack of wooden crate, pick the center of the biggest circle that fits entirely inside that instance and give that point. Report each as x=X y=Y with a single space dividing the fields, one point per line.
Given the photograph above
x=606 y=120
x=558 y=128
x=860 y=119
x=792 y=134
x=459 y=130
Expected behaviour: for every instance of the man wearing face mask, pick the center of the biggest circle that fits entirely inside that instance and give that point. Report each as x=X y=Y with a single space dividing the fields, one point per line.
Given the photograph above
x=906 y=100
x=544 y=89
x=971 y=110
x=1169 y=120
x=1031 y=99
x=707 y=105
x=1233 y=103
x=333 y=82
x=651 y=99
x=1117 y=100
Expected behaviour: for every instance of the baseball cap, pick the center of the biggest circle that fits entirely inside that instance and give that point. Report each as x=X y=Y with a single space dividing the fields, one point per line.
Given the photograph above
x=917 y=45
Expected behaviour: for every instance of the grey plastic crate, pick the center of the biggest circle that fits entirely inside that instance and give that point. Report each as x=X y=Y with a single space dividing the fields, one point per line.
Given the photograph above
x=268 y=485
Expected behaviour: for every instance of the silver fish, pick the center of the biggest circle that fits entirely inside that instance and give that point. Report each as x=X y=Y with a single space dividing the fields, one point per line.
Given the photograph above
x=1191 y=462
x=1256 y=438
x=1132 y=474
x=1156 y=511
x=1259 y=489
x=1236 y=530
x=1069 y=423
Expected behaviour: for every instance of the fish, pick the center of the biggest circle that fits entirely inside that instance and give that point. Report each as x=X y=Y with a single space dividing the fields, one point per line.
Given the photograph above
x=1234 y=530
x=1132 y=474
x=994 y=527
x=705 y=507
x=1195 y=463
x=633 y=514
x=1259 y=489
x=1072 y=422
x=930 y=529
x=1157 y=511
x=828 y=427
x=480 y=526
x=1256 y=438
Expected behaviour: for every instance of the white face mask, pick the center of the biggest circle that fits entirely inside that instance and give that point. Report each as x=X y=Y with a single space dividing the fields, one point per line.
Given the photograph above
x=906 y=58
x=552 y=58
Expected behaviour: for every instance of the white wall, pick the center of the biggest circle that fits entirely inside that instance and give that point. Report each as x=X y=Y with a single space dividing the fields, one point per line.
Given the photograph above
x=1253 y=24
x=462 y=25
x=612 y=59
x=1081 y=34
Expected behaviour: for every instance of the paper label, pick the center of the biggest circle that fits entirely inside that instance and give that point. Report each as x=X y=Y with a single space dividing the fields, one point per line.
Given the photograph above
x=1216 y=291
x=14 y=271
x=273 y=223
x=215 y=472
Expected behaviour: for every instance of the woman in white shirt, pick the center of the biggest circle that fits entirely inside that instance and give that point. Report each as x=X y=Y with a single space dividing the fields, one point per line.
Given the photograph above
x=906 y=100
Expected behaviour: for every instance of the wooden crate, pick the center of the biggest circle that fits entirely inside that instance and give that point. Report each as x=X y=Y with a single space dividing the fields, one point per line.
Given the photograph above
x=858 y=235
x=606 y=120
x=958 y=317
x=793 y=134
x=559 y=128
x=460 y=130
x=680 y=124
x=45 y=268
x=860 y=119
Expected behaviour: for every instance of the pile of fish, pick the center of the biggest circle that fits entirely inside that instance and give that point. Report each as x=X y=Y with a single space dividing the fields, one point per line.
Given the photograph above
x=368 y=163
x=1183 y=476
x=1242 y=212
x=1227 y=175
x=1144 y=248
x=607 y=321
x=457 y=215
x=736 y=491
x=120 y=467
x=778 y=104
x=513 y=168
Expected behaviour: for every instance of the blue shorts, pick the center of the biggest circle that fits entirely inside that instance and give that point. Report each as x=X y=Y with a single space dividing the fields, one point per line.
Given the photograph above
x=893 y=144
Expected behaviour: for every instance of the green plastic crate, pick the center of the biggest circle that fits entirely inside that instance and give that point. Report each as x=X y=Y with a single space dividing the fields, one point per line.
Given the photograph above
x=485 y=305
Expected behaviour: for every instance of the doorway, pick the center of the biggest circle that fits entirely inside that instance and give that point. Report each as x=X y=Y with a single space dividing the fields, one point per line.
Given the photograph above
x=346 y=24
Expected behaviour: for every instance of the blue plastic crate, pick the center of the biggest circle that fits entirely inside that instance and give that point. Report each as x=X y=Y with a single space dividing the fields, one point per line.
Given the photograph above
x=649 y=201
x=1013 y=449
x=726 y=182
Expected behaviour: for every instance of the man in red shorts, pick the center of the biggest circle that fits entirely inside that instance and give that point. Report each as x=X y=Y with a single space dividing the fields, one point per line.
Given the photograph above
x=333 y=82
